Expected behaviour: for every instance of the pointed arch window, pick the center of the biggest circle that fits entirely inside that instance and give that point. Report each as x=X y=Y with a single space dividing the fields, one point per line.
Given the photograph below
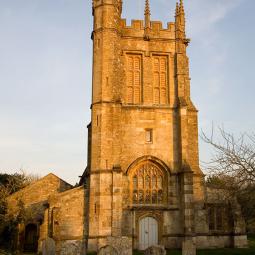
x=147 y=184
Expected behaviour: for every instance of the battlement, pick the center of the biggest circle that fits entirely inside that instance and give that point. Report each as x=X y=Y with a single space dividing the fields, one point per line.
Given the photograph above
x=136 y=29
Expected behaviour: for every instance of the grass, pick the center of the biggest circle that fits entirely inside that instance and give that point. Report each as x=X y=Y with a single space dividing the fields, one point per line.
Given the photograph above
x=248 y=251
x=225 y=251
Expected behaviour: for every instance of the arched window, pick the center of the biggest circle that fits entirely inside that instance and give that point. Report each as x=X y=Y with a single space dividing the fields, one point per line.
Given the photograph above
x=147 y=184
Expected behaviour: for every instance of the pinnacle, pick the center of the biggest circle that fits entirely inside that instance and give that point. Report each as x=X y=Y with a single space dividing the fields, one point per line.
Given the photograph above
x=147 y=8
x=177 y=9
x=181 y=6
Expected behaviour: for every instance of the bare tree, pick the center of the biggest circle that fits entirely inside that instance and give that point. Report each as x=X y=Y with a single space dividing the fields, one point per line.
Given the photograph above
x=233 y=157
x=232 y=168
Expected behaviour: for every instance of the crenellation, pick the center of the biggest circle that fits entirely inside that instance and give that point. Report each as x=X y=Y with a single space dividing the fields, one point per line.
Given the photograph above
x=156 y=30
x=137 y=24
x=156 y=26
x=171 y=26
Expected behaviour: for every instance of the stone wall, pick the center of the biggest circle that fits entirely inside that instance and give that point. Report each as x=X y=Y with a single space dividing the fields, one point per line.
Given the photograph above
x=125 y=104
x=66 y=221
x=34 y=199
x=38 y=192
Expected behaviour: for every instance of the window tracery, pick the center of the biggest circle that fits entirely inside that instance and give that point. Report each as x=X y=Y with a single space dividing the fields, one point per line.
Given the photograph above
x=147 y=184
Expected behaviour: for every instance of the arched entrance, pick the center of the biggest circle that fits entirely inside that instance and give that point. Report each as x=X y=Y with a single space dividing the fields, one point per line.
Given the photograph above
x=31 y=238
x=148 y=232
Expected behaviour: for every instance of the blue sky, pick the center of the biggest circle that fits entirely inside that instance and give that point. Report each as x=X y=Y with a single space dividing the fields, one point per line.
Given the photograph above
x=45 y=76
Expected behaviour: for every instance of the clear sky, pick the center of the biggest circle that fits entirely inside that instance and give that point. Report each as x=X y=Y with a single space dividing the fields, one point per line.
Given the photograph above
x=45 y=76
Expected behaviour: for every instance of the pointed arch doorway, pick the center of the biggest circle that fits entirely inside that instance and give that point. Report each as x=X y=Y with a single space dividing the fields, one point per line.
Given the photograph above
x=148 y=232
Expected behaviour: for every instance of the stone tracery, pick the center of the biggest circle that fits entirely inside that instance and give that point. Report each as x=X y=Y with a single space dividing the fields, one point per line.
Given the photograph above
x=147 y=185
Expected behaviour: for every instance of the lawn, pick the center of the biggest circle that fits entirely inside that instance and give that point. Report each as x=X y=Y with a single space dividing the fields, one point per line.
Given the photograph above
x=248 y=251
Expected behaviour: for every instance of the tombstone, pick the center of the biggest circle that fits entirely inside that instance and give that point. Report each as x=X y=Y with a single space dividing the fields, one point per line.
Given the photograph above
x=188 y=248
x=48 y=247
x=70 y=248
x=155 y=250
x=123 y=245
x=107 y=250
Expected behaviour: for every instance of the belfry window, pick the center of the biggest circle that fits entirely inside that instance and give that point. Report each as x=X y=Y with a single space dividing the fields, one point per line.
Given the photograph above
x=147 y=184
x=160 y=80
x=134 y=79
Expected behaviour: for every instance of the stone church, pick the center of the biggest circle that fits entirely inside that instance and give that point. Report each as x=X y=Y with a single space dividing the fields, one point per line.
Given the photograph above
x=143 y=185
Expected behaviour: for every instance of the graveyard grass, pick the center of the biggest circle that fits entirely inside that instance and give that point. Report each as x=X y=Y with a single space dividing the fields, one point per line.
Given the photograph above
x=248 y=251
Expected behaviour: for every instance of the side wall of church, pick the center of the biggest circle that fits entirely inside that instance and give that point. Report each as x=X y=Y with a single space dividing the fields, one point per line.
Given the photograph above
x=65 y=221
x=37 y=192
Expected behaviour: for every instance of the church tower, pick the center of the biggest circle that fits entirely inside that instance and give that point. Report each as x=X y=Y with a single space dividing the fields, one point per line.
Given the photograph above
x=143 y=172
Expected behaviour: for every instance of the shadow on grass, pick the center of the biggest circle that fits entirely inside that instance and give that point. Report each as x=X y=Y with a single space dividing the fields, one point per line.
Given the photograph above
x=248 y=251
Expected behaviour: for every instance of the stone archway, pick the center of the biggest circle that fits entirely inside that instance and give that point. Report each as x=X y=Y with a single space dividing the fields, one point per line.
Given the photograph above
x=31 y=238
x=148 y=232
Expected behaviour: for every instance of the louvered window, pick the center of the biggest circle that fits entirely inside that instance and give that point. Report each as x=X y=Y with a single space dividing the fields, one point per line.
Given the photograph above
x=160 y=80
x=133 y=91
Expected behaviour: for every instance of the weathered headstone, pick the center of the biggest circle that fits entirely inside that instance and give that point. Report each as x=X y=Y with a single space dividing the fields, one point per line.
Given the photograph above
x=107 y=250
x=70 y=248
x=155 y=250
x=123 y=245
x=48 y=247
x=188 y=247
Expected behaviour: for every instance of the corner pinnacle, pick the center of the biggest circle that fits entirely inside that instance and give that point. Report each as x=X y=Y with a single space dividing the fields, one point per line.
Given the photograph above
x=147 y=13
x=147 y=19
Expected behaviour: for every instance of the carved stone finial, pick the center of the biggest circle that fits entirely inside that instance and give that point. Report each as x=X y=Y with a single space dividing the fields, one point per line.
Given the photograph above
x=147 y=13
x=147 y=20
x=177 y=10
x=147 y=8
x=180 y=21
x=181 y=7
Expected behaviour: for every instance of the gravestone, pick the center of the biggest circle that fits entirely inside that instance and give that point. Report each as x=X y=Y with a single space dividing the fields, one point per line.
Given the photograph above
x=188 y=247
x=70 y=248
x=48 y=247
x=123 y=245
x=107 y=250
x=155 y=250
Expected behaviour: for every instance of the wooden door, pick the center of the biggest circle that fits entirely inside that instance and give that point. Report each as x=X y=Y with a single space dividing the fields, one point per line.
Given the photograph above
x=148 y=233
x=31 y=238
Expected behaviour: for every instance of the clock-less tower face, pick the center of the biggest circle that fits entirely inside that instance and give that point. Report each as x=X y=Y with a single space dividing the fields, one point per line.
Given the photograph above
x=143 y=129
x=136 y=91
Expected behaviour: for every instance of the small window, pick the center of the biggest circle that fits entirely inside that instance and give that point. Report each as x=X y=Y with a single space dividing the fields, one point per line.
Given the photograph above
x=149 y=135
x=215 y=217
x=219 y=218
